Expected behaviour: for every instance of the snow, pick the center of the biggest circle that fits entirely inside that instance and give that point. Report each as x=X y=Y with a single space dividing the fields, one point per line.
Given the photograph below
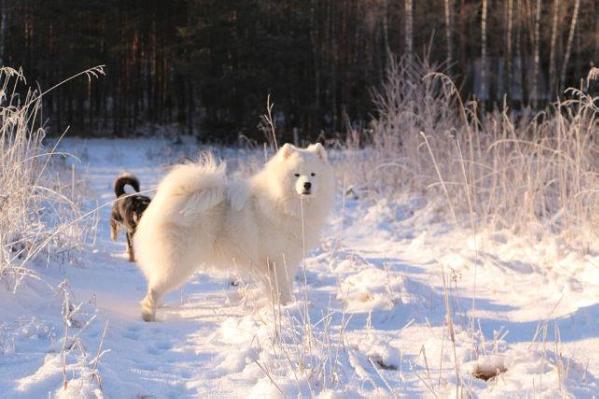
x=384 y=308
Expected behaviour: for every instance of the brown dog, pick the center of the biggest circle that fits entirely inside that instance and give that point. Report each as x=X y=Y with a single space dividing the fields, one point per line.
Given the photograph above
x=127 y=210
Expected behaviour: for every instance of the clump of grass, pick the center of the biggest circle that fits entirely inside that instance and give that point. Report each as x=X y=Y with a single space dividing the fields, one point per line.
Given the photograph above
x=39 y=210
x=529 y=172
x=299 y=354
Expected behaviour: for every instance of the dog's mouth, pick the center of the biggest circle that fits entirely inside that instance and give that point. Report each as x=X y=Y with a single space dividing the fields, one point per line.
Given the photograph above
x=306 y=193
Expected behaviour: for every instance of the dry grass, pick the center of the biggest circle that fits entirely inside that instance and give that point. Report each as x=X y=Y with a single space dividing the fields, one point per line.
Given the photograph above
x=531 y=173
x=39 y=210
x=534 y=174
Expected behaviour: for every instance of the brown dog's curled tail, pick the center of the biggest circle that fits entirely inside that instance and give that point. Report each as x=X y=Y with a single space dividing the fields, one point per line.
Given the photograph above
x=122 y=181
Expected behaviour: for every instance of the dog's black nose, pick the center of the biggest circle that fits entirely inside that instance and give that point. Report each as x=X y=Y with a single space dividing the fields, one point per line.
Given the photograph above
x=307 y=185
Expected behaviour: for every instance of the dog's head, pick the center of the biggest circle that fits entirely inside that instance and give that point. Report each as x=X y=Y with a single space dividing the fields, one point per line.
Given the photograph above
x=302 y=173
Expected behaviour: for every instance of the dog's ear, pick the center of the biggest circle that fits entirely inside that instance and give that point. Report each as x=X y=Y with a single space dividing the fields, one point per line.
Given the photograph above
x=319 y=150
x=287 y=150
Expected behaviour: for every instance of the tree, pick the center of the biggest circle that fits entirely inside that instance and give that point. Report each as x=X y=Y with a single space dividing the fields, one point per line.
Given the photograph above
x=569 y=45
x=552 y=53
x=205 y=67
x=536 y=56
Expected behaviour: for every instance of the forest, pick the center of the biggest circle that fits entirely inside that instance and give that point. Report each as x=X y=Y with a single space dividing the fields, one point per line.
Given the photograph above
x=299 y=199
x=206 y=67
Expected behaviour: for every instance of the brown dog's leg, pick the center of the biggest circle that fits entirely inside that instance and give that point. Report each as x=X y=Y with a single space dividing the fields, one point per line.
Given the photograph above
x=114 y=229
x=130 y=247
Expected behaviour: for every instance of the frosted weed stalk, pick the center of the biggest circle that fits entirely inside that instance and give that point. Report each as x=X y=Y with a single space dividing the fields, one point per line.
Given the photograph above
x=38 y=206
x=79 y=368
x=300 y=354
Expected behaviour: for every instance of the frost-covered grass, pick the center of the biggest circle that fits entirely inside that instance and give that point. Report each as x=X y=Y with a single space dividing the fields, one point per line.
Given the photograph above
x=383 y=308
x=507 y=180
x=534 y=174
x=39 y=206
x=42 y=224
x=451 y=268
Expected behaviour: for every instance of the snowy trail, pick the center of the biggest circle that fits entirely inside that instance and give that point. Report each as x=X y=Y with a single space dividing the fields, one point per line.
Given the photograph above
x=376 y=304
x=165 y=357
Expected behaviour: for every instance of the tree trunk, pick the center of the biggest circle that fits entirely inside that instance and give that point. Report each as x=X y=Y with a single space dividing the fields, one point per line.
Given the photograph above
x=2 y=30
x=508 y=56
x=483 y=52
x=386 y=28
x=569 y=45
x=536 y=57
x=315 y=46
x=552 y=52
x=519 y=56
x=448 y=8
x=596 y=49
x=409 y=30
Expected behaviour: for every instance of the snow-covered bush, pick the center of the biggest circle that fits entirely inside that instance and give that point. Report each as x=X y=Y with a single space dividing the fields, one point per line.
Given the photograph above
x=39 y=211
x=532 y=173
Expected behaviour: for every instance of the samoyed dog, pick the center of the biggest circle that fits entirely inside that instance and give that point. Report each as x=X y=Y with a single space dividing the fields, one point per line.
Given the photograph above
x=263 y=225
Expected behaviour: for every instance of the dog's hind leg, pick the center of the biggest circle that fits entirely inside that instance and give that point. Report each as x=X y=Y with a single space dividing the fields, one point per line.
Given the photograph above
x=114 y=229
x=168 y=275
x=130 y=250
x=149 y=304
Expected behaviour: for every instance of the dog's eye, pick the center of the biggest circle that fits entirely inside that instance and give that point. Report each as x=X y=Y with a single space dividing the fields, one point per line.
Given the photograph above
x=312 y=174
x=296 y=175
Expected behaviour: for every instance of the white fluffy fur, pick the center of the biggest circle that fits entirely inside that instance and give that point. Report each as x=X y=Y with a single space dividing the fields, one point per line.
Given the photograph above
x=200 y=219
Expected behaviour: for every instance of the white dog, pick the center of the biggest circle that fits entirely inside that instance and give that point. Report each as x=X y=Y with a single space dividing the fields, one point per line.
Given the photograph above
x=262 y=225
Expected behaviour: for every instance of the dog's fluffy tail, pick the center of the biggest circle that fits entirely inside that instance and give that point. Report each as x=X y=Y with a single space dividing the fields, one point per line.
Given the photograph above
x=192 y=189
x=123 y=180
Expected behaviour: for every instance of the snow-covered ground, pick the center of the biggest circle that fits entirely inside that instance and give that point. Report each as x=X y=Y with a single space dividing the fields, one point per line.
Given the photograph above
x=384 y=308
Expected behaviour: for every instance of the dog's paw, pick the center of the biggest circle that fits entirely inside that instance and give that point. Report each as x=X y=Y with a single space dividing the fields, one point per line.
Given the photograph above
x=148 y=310
x=148 y=315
